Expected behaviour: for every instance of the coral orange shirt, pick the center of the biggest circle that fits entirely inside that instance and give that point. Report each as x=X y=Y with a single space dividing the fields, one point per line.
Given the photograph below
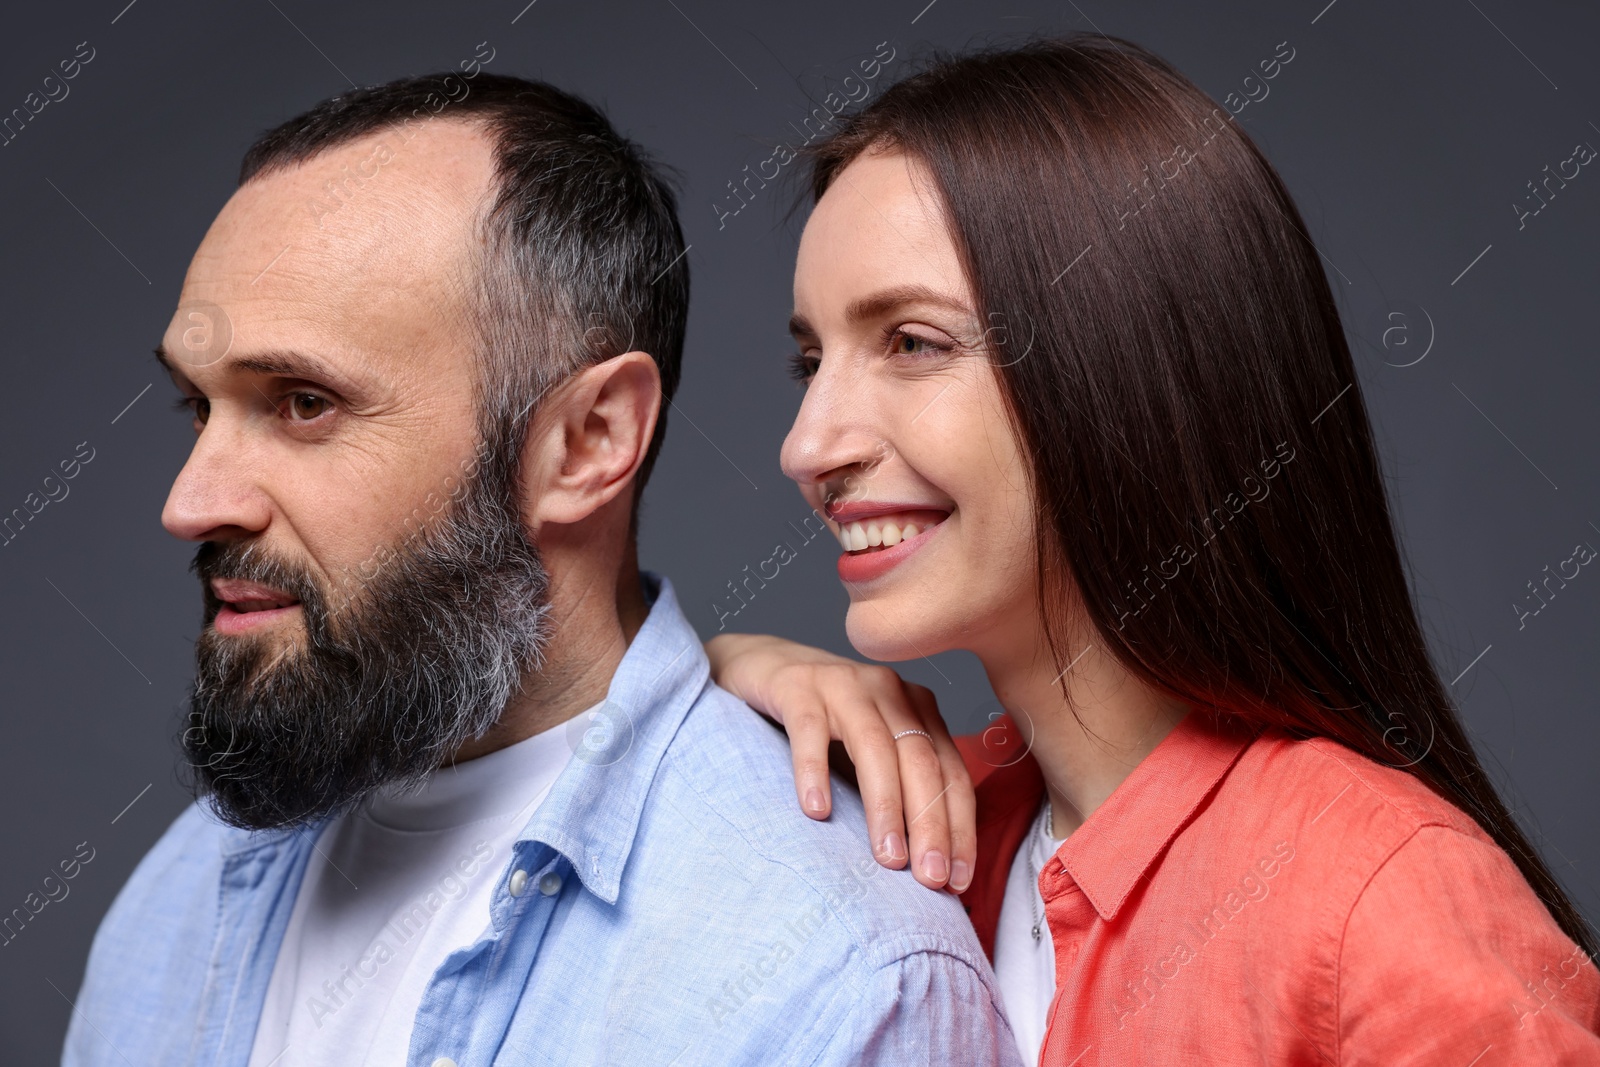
x=1248 y=898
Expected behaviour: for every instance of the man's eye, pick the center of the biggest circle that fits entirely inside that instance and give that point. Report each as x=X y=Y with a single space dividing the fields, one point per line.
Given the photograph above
x=303 y=407
x=197 y=407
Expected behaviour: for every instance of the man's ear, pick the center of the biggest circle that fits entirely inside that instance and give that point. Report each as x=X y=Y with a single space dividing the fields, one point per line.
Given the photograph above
x=588 y=439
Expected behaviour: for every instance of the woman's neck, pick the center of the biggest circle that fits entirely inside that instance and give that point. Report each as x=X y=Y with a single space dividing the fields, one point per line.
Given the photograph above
x=1088 y=746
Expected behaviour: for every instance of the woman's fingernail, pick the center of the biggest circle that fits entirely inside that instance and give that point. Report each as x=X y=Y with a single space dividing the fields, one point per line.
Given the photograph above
x=814 y=800
x=934 y=867
x=892 y=848
x=960 y=876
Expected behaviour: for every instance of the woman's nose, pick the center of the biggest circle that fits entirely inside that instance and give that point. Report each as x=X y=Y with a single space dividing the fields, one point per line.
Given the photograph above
x=832 y=432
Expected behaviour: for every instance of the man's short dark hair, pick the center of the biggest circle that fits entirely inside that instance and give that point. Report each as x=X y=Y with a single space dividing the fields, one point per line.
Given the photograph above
x=582 y=258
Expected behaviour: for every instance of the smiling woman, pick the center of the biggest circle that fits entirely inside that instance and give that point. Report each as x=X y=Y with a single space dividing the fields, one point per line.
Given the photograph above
x=1274 y=708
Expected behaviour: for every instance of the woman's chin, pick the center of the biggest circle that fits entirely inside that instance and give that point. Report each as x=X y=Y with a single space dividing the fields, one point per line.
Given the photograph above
x=876 y=633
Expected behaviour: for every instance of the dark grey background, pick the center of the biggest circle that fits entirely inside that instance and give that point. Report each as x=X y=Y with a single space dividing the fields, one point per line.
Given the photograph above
x=1406 y=132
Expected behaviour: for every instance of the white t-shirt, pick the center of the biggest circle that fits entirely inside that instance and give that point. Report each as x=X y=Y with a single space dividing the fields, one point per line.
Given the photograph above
x=1026 y=968
x=392 y=889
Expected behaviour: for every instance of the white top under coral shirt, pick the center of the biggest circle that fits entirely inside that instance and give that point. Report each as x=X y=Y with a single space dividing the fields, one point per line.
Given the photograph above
x=394 y=888
x=1025 y=967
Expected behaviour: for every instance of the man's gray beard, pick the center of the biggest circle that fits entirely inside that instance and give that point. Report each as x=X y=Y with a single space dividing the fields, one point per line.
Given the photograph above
x=421 y=658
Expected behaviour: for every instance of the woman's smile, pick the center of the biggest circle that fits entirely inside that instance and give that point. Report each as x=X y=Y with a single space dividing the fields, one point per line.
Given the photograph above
x=878 y=537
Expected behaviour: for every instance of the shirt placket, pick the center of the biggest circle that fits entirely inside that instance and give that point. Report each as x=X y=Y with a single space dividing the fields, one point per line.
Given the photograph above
x=469 y=1003
x=256 y=896
x=1071 y=917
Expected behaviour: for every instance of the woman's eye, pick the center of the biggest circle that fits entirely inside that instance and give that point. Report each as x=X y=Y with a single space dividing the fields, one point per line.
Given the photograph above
x=303 y=407
x=902 y=343
x=803 y=366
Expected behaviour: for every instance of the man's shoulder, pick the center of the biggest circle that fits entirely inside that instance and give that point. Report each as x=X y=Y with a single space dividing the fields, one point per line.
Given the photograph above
x=776 y=938
x=186 y=858
x=154 y=946
x=170 y=898
x=729 y=772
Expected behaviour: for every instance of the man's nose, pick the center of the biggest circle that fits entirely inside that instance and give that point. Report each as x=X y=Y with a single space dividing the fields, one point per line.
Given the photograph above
x=214 y=497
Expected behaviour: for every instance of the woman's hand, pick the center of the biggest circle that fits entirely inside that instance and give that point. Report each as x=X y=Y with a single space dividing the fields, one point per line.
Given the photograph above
x=918 y=781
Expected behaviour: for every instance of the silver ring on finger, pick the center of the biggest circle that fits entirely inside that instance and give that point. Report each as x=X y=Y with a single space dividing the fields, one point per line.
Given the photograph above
x=908 y=733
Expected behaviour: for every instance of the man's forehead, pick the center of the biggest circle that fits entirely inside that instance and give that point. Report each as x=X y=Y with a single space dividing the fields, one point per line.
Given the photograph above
x=375 y=235
x=375 y=208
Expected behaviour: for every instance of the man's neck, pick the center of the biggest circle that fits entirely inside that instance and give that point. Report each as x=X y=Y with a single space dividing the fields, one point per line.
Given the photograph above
x=593 y=621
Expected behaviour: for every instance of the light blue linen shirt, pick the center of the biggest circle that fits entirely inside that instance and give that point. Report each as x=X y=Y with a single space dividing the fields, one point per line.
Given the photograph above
x=674 y=907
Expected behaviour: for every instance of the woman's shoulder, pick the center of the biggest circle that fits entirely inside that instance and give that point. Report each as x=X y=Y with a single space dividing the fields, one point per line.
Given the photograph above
x=1322 y=783
x=1393 y=904
x=1449 y=921
x=1333 y=820
x=1391 y=791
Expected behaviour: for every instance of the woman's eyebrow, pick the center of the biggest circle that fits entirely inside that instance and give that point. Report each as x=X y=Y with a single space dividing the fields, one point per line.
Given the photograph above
x=881 y=303
x=800 y=327
x=886 y=300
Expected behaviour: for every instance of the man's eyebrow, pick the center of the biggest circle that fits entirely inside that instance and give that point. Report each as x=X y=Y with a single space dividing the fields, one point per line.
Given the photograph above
x=285 y=364
x=171 y=368
x=883 y=302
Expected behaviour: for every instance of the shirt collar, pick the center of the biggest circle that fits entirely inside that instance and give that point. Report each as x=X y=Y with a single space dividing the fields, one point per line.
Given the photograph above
x=1121 y=840
x=592 y=813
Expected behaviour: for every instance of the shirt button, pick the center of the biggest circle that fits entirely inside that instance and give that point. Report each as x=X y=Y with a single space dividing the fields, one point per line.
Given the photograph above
x=444 y=1061
x=518 y=883
x=550 y=884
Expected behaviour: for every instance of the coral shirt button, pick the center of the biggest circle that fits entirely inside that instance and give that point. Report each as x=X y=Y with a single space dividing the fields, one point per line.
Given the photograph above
x=517 y=885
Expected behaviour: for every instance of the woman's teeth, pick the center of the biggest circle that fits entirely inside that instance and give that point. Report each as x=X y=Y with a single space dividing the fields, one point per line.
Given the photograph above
x=883 y=531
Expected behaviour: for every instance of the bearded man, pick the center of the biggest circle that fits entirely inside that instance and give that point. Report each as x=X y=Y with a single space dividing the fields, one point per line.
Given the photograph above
x=466 y=793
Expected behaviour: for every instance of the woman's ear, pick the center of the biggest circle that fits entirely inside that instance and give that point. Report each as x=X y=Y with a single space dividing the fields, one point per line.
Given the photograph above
x=588 y=438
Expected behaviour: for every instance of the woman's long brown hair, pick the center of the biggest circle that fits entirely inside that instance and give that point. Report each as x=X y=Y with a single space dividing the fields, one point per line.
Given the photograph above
x=1204 y=471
